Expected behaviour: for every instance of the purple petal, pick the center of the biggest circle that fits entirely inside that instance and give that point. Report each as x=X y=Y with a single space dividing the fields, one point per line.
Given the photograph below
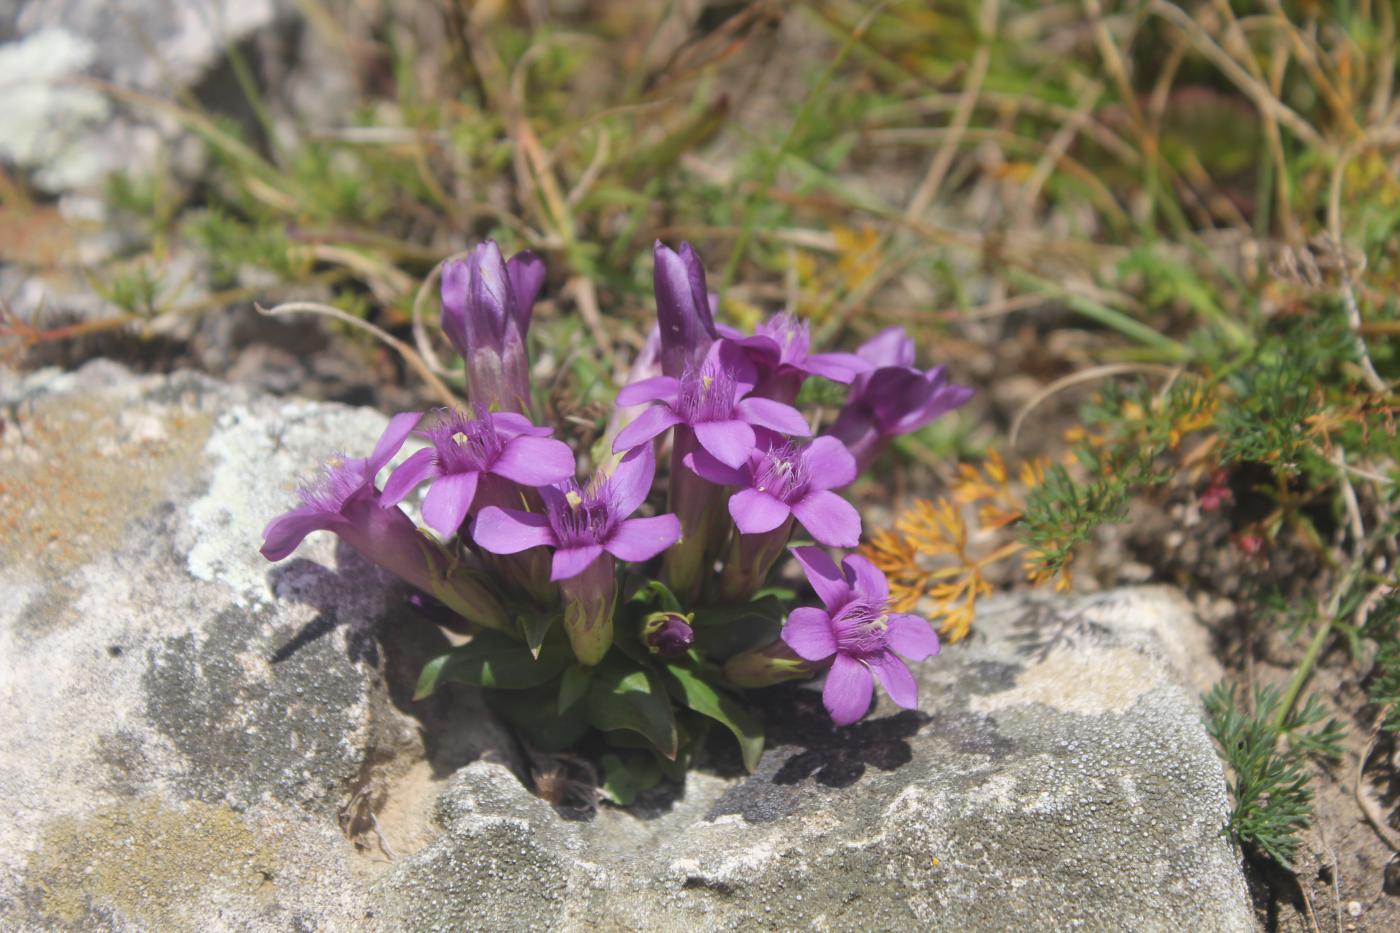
x=526 y=272
x=705 y=466
x=639 y=539
x=400 y=426
x=447 y=501
x=730 y=442
x=766 y=413
x=912 y=636
x=511 y=423
x=728 y=356
x=895 y=678
x=808 y=632
x=890 y=347
x=866 y=579
x=456 y=277
x=510 y=531
x=829 y=464
x=848 y=690
x=631 y=480
x=646 y=426
x=407 y=476
x=826 y=578
x=732 y=333
x=657 y=388
x=755 y=512
x=572 y=561
x=828 y=518
x=838 y=367
x=285 y=532
x=534 y=461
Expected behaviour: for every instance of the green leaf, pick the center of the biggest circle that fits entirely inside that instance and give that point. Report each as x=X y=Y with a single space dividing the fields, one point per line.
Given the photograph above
x=768 y=607
x=534 y=714
x=626 y=777
x=573 y=685
x=657 y=592
x=625 y=697
x=492 y=660
x=692 y=689
x=536 y=625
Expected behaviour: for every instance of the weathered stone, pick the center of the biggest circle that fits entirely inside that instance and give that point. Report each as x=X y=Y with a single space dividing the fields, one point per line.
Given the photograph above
x=194 y=737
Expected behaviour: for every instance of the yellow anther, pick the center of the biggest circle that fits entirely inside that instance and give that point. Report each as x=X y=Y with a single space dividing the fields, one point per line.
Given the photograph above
x=573 y=498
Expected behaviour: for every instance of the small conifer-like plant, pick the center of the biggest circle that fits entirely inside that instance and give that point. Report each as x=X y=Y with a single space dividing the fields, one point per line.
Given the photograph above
x=639 y=610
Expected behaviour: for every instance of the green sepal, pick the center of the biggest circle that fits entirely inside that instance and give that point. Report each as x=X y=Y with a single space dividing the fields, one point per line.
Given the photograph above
x=536 y=626
x=625 y=697
x=691 y=687
x=574 y=685
x=492 y=660
x=626 y=776
x=654 y=591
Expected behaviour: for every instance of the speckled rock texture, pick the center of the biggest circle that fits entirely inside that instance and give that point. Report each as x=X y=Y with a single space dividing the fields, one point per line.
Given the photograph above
x=197 y=740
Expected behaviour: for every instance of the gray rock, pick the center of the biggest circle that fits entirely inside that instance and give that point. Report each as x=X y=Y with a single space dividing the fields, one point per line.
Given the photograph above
x=195 y=739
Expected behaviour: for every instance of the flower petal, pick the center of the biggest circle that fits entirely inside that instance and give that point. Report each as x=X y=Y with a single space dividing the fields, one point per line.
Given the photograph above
x=766 y=413
x=447 y=501
x=912 y=636
x=808 y=632
x=646 y=426
x=630 y=481
x=511 y=422
x=866 y=579
x=703 y=464
x=572 y=561
x=730 y=442
x=407 y=476
x=510 y=531
x=755 y=512
x=838 y=367
x=285 y=533
x=534 y=461
x=895 y=678
x=826 y=578
x=890 y=347
x=657 y=388
x=829 y=464
x=639 y=539
x=829 y=519
x=848 y=690
x=526 y=272
x=400 y=426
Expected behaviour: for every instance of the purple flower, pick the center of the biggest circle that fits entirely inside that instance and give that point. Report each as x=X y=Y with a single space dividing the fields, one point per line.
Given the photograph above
x=486 y=305
x=894 y=398
x=503 y=444
x=784 y=481
x=711 y=400
x=346 y=502
x=583 y=523
x=780 y=346
x=682 y=308
x=668 y=634
x=858 y=633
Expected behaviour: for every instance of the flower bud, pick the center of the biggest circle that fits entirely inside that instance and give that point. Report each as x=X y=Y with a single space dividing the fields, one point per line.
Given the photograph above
x=668 y=634
x=486 y=305
x=766 y=666
x=682 y=308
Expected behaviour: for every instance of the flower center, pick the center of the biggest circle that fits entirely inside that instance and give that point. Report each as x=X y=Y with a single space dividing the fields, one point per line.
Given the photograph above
x=791 y=333
x=465 y=445
x=584 y=517
x=782 y=474
x=706 y=395
x=862 y=627
x=341 y=477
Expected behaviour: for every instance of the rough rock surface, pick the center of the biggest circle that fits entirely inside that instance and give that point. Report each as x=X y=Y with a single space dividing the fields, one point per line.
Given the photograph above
x=195 y=739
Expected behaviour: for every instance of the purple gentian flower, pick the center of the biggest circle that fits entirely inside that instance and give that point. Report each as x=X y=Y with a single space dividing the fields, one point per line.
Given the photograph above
x=711 y=400
x=859 y=633
x=486 y=305
x=346 y=502
x=463 y=449
x=589 y=529
x=784 y=481
x=780 y=346
x=683 y=310
x=894 y=398
x=583 y=523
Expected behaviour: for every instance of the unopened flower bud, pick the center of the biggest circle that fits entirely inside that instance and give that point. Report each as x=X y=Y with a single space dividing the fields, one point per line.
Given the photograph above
x=668 y=634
